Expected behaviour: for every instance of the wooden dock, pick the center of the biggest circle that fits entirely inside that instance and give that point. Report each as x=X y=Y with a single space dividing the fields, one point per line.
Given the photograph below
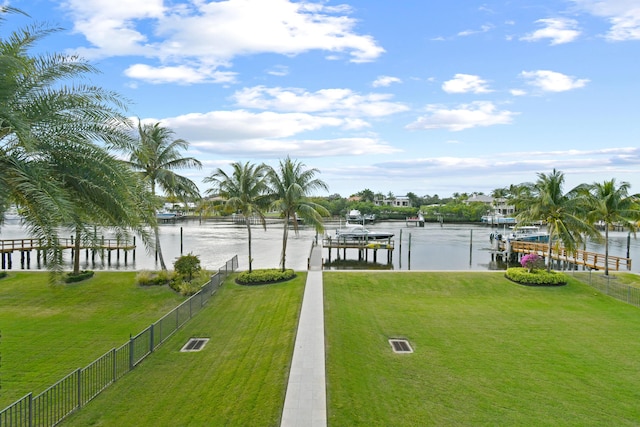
x=362 y=246
x=27 y=245
x=580 y=257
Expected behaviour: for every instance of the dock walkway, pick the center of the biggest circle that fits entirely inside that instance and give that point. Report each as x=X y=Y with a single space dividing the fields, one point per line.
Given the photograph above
x=306 y=399
x=580 y=257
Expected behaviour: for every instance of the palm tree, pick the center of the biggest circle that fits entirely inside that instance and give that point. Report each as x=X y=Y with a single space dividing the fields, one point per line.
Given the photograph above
x=290 y=185
x=563 y=213
x=116 y=198
x=244 y=191
x=612 y=204
x=156 y=155
x=41 y=116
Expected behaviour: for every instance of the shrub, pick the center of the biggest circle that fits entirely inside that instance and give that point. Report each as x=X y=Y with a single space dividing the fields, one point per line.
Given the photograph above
x=3 y=274
x=187 y=266
x=264 y=276
x=189 y=287
x=532 y=262
x=185 y=288
x=83 y=275
x=535 y=277
x=158 y=278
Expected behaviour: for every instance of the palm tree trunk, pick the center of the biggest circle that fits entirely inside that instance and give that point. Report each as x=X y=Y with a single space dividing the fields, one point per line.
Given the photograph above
x=549 y=229
x=249 y=233
x=606 y=249
x=285 y=236
x=156 y=231
x=76 y=253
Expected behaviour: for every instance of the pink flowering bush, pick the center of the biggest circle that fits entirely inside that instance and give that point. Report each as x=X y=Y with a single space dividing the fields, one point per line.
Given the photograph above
x=532 y=262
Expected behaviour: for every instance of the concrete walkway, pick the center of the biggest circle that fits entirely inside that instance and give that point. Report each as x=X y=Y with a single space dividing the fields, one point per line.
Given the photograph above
x=305 y=404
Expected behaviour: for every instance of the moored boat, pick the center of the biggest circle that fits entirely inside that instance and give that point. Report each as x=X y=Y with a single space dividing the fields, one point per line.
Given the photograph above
x=524 y=233
x=358 y=232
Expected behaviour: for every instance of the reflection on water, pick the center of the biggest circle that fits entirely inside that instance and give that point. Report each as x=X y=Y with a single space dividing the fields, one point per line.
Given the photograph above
x=432 y=247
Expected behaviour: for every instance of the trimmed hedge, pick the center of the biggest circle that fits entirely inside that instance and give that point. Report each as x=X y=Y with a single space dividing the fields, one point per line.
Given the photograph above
x=83 y=275
x=535 y=277
x=264 y=276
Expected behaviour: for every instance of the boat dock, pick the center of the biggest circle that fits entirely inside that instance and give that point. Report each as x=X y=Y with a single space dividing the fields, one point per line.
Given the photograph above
x=26 y=246
x=593 y=260
x=418 y=221
x=363 y=247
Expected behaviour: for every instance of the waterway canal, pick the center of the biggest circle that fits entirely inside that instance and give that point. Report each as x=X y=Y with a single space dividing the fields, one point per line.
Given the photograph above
x=432 y=247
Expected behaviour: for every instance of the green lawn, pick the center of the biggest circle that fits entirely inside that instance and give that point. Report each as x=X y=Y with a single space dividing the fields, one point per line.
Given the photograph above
x=48 y=331
x=238 y=379
x=487 y=352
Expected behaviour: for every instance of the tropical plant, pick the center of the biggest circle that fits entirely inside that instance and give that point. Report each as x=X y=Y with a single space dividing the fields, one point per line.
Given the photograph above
x=290 y=186
x=244 y=191
x=156 y=155
x=187 y=266
x=563 y=213
x=532 y=262
x=612 y=204
x=46 y=120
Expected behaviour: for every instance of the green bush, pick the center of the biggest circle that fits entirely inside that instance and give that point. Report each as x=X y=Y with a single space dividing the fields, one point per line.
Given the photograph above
x=189 y=287
x=3 y=274
x=151 y=278
x=264 y=276
x=83 y=275
x=187 y=266
x=185 y=288
x=535 y=277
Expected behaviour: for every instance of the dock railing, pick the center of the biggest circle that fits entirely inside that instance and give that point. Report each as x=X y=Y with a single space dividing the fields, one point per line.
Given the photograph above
x=589 y=259
x=82 y=385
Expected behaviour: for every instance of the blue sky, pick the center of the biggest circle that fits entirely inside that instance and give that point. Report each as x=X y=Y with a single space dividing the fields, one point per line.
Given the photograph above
x=429 y=97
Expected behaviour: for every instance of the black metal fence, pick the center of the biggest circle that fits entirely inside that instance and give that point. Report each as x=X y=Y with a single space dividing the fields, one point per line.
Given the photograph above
x=609 y=285
x=81 y=386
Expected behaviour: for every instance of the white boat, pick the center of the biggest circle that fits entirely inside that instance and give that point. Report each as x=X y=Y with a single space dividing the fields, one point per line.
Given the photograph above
x=358 y=232
x=354 y=215
x=498 y=219
x=524 y=233
x=162 y=215
x=12 y=214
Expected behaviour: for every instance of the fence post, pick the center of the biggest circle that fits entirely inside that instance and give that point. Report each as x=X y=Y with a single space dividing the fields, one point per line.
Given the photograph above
x=30 y=409
x=130 y=352
x=115 y=364
x=151 y=346
x=79 y=375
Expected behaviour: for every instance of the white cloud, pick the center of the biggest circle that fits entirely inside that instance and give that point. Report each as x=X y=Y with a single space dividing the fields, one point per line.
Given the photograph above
x=623 y=15
x=464 y=83
x=551 y=81
x=466 y=116
x=559 y=30
x=483 y=29
x=327 y=101
x=385 y=81
x=268 y=148
x=518 y=92
x=210 y=34
x=182 y=74
x=278 y=70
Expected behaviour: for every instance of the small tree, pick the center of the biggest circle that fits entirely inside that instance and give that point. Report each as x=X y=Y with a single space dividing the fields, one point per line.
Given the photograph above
x=187 y=265
x=532 y=262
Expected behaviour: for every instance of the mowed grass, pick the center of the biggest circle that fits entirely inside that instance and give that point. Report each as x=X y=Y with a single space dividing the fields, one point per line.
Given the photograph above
x=487 y=352
x=238 y=379
x=48 y=331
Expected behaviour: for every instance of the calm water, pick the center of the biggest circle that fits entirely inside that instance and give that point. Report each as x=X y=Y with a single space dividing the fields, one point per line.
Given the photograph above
x=434 y=247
